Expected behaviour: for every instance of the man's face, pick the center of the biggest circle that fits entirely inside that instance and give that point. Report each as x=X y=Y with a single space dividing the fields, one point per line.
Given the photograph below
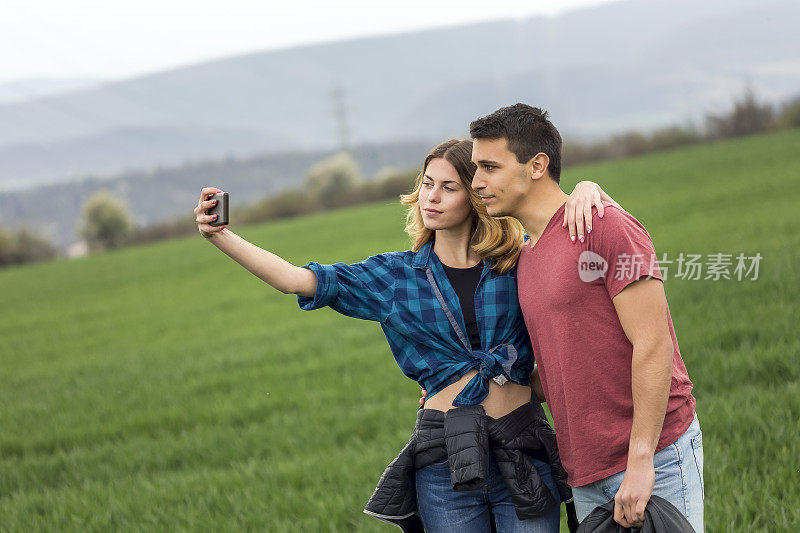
x=499 y=178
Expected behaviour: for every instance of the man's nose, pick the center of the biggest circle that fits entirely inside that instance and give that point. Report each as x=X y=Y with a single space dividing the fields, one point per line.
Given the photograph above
x=478 y=182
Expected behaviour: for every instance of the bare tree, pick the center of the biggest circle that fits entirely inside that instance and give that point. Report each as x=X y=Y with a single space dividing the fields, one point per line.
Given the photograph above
x=746 y=118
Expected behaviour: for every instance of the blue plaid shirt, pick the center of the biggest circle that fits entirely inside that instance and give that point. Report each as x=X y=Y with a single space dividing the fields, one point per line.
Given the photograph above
x=419 y=312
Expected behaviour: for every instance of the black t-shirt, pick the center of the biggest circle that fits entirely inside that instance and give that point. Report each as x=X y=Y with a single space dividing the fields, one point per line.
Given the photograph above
x=465 y=281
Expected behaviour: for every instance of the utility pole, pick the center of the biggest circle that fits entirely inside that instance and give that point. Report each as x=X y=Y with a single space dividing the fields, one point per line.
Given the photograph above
x=340 y=113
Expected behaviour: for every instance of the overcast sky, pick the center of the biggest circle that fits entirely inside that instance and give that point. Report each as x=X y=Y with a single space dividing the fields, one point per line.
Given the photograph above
x=113 y=39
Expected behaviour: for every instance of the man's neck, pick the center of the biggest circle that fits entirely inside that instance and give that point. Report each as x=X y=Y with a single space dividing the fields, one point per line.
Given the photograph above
x=539 y=209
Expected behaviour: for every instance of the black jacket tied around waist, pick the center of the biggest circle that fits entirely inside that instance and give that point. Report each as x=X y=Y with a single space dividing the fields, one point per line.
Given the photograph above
x=464 y=436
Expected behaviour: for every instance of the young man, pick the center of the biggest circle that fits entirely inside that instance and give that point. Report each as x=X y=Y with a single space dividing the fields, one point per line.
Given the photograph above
x=601 y=329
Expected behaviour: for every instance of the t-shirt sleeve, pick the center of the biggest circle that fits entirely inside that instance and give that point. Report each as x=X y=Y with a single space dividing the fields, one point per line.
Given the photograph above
x=624 y=244
x=361 y=290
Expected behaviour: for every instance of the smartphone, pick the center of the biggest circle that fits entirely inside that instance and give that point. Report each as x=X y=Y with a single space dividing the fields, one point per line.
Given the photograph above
x=221 y=209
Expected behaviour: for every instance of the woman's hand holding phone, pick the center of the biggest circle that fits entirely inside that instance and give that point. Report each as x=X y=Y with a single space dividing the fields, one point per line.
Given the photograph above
x=203 y=218
x=272 y=269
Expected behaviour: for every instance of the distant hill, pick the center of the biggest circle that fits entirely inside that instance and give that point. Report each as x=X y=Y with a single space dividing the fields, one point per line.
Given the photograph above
x=132 y=149
x=164 y=193
x=28 y=89
x=633 y=63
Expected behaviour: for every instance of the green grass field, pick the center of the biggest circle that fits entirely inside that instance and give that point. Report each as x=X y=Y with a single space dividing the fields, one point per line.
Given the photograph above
x=164 y=387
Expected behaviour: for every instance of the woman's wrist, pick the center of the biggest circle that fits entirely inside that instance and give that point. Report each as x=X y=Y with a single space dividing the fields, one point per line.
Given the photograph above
x=211 y=235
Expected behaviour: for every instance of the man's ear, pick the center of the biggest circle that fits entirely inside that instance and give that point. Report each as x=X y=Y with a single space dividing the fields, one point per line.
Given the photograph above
x=536 y=167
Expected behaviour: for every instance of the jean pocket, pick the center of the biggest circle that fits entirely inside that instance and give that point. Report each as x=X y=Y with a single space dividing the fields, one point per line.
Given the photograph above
x=697 y=450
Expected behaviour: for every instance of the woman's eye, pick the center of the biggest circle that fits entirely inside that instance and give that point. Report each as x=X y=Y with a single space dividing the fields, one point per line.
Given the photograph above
x=448 y=189
x=427 y=184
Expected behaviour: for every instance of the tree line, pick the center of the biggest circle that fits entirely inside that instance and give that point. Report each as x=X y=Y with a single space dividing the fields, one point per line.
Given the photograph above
x=338 y=182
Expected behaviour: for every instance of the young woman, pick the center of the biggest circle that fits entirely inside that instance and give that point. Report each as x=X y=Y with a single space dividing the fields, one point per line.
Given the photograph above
x=449 y=310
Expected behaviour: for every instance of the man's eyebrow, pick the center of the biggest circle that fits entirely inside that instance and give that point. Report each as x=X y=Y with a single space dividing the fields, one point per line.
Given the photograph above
x=445 y=181
x=488 y=162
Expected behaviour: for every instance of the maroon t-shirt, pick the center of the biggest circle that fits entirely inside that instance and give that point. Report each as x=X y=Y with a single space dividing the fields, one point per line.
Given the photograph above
x=583 y=355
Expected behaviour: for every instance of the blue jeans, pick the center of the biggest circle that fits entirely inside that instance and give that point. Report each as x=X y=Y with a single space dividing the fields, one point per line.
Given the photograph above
x=443 y=509
x=679 y=479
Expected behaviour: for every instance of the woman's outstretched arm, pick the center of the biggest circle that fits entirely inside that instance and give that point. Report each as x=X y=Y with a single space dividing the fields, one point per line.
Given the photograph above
x=278 y=272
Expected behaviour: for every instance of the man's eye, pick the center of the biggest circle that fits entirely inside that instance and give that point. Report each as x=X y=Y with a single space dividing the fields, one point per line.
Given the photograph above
x=488 y=167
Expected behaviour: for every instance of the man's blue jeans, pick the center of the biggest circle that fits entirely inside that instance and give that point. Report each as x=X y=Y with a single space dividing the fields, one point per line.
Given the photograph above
x=444 y=510
x=679 y=479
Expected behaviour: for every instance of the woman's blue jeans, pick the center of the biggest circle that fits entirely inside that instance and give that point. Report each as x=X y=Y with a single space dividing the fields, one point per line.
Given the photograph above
x=443 y=509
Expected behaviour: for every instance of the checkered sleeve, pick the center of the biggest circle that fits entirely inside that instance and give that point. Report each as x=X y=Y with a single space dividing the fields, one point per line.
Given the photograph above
x=361 y=290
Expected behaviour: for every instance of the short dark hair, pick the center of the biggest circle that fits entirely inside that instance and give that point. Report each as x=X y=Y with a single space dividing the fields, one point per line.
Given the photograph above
x=528 y=132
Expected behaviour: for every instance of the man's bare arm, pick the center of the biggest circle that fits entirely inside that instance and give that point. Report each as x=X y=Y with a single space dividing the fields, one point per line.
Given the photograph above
x=642 y=311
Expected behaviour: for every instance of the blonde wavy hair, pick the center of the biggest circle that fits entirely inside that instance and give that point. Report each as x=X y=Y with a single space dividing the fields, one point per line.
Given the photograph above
x=498 y=239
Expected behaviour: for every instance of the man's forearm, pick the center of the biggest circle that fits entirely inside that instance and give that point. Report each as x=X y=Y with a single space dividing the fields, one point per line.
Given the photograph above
x=269 y=267
x=651 y=374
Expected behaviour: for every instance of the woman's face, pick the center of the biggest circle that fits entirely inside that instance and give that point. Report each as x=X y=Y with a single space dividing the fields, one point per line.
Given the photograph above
x=443 y=200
